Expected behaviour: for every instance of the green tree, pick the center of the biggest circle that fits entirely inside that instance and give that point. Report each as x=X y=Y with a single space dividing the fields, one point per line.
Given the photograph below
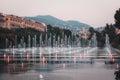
x=117 y=18
x=91 y=30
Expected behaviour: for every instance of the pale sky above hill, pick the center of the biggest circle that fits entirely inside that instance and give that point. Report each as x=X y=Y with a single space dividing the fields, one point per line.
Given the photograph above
x=93 y=12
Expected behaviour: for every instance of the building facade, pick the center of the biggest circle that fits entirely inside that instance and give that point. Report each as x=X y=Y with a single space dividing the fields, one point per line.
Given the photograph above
x=11 y=21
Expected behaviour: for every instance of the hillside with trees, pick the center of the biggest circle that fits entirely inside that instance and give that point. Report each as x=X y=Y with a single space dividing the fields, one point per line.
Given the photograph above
x=11 y=34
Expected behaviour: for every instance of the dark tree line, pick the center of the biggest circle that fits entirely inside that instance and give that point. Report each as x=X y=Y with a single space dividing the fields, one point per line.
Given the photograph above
x=117 y=18
x=10 y=34
x=111 y=31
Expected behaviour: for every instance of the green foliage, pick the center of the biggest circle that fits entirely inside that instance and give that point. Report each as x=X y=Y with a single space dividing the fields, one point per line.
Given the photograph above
x=100 y=36
x=110 y=30
x=117 y=18
x=11 y=33
x=24 y=32
x=92 y=31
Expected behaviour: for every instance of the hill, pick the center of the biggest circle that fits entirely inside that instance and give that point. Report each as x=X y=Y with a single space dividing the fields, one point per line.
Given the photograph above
x=53 y=21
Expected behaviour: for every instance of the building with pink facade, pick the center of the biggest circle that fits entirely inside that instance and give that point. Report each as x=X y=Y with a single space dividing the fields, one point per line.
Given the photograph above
x=12 y=21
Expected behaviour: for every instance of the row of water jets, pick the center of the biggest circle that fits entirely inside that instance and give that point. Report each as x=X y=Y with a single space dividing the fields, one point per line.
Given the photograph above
x=65 y=43
x=34 y=49
x=51 y=41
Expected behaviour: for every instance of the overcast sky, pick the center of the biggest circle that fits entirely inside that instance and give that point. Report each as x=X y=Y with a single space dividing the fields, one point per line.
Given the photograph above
x=93 y=12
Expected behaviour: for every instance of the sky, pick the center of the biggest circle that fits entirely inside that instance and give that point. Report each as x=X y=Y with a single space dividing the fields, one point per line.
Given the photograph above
x=93 y=12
